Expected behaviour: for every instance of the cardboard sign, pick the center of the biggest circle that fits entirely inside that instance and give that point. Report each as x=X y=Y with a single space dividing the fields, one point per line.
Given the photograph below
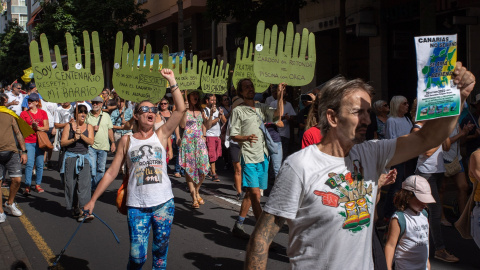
x=77 y=83
x=284 y=61
x=244 y=68
x=215 y=79
x=137 y=83
x=187 y=76
x=437 y=95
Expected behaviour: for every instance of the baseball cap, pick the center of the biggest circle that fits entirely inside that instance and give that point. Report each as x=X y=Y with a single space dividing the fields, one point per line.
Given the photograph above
x=34 y=97
x=97 y=99
x=32 y=85
x=420 y=187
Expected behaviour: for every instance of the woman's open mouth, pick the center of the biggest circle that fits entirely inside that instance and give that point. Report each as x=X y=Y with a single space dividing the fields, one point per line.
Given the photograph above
x=150 y=118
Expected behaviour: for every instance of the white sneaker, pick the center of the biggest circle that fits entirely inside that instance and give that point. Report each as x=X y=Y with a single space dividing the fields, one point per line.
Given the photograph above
x=3 y=217
x=13 y=209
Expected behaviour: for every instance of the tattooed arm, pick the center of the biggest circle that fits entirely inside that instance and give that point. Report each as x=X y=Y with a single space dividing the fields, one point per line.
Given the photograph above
x=267 y=227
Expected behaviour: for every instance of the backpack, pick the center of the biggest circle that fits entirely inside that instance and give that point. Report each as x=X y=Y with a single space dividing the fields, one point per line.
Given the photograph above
x=121 y=200
x=402 y=222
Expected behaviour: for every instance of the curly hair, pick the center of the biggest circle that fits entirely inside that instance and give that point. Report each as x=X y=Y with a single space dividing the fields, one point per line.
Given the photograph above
x=402 y=199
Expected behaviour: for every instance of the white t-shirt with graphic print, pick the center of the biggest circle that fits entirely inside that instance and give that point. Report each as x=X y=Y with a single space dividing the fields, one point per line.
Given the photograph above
x=148 y=184
x=329 y=204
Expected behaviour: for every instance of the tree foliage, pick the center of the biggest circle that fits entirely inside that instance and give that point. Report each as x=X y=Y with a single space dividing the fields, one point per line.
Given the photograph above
x=248 y=12
x=107 y=17
x=14 y=56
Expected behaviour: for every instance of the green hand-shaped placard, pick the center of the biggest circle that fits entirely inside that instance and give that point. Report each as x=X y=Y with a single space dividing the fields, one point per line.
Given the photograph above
x=75 y=84
x=215 y=79
x=188 y=76
x=244 y=68
x=137 y=83
x=276 y=63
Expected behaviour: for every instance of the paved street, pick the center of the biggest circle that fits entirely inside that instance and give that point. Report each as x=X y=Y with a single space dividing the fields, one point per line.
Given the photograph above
x=200 y=238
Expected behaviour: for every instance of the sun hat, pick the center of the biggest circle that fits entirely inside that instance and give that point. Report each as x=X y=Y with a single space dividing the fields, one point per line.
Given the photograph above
x=420 y=187
x=97 y=99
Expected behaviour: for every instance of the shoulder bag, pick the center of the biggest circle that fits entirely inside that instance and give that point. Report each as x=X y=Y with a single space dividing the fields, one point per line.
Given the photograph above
x=121 y=200
x=271 y=145
x=42 y=138
x=453 y=167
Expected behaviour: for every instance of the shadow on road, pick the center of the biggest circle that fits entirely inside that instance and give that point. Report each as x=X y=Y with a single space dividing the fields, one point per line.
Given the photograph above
x=70 y=263
x=202 y=261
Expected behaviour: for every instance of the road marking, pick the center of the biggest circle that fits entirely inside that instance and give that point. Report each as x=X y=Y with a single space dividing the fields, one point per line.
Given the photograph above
x=235 y=202
x=46 y=251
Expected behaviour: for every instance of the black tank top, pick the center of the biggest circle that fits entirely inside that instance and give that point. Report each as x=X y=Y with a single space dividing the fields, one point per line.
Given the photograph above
x=80 y=146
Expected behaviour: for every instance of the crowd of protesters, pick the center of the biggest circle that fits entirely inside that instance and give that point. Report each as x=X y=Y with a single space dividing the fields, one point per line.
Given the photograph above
x=331 y=153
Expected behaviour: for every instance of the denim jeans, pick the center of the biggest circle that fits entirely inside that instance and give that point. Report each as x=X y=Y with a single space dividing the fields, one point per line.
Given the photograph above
x=35 y=157
x=276 y=159
x=99 y=160
x=435 y=215
x=140 y=220
x=178 y=168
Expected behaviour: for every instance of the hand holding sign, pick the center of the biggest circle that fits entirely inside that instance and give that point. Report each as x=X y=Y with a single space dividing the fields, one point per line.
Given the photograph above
x=244 y=68
x=75 y=84
x=137 y=83
x=282 y=62
x=188 y=76
x=215 y=79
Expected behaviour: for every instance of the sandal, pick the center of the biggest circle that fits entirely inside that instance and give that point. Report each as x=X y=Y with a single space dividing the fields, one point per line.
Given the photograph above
x=215 y=178
x=195 y=205
x=201 y=201
x=39 y=189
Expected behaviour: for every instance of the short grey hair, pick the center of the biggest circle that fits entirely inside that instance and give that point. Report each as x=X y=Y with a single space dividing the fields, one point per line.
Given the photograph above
x=377 y=105
x=15 y=85
x=331 y=95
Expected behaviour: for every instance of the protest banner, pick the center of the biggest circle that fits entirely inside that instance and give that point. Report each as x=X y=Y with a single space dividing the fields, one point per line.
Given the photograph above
x=187 y=75
x=77 y=83
x=244 y=68
x=281 y=62
x=137 y=83
x=214 y=78
x=437 y=95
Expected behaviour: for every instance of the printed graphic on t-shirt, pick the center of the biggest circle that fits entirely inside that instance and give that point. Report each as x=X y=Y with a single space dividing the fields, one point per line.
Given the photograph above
x=148 y=163
x=351 y=195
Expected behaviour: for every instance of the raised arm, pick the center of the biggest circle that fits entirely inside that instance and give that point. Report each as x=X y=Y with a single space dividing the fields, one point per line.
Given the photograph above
x=267 y=227
x=168 y=128
x=280 y=91
x=434 y=132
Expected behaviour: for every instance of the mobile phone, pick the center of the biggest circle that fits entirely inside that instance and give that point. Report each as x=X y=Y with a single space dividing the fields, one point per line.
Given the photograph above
x=305 y=97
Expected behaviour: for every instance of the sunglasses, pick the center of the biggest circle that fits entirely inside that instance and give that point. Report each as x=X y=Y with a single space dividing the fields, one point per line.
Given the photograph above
x=29 y=100
x=83 y=111
x=145 y=109
x=96 y=102
x=163 y=103
x=385 y=105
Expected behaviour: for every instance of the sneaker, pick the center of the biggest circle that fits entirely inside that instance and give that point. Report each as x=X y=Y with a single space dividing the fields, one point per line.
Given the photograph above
x=87 y=218
x=13 y=209
x=26 y=191
x=239 y=231
x=445 y=256
x=3 y=217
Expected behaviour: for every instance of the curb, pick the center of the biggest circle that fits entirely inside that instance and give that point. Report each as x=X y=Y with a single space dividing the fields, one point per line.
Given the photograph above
x=12 y=255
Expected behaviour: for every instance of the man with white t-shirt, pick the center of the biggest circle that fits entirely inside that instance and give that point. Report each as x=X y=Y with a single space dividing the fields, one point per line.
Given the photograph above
x=326 y=192
x=287 y=118
x=214 y=144
x=15 y=99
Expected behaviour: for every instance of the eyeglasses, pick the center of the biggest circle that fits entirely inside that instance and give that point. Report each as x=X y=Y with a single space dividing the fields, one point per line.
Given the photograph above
x=145 y=109
x=83 y=111
x=163 y=103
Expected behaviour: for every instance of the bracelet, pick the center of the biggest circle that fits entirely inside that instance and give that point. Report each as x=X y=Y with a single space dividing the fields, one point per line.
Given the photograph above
x=174 y=88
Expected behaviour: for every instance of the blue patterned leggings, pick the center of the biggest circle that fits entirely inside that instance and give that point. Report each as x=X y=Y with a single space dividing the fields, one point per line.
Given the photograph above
x=140 y=220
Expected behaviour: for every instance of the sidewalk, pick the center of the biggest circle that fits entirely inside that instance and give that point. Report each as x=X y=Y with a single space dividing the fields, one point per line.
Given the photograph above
x=12 y=255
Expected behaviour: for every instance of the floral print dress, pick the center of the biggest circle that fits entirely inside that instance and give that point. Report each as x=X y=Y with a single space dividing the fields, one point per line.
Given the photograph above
x=193 y=150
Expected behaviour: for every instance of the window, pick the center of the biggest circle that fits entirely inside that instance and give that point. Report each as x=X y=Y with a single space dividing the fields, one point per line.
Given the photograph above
x=21 y=3
x=23 y=21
